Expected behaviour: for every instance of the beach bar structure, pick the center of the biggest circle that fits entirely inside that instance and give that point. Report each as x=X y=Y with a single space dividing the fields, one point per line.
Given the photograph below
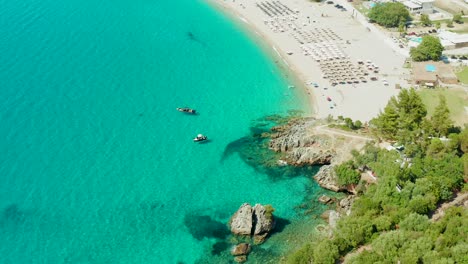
x=431 y=74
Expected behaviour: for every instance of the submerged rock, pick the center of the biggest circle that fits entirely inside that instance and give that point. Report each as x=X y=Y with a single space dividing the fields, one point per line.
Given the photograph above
x=241 y=249
x=240 y=259
x=325 y=199
x=256 y=222
x=333 y=219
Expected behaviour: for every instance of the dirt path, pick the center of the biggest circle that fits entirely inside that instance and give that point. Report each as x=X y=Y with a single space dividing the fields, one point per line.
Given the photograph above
x=343 y=142
x=460 y=199
x=325 y=129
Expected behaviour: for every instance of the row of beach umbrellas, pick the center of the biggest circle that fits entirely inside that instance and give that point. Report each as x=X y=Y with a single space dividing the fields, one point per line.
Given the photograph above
x=274 y=8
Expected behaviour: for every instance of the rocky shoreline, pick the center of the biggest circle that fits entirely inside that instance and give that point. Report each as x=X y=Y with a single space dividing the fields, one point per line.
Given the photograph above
x=302 y=144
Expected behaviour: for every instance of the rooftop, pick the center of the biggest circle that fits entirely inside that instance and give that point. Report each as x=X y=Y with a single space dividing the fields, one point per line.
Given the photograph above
x=424 y=1
x=411 y=5
x=453 y=37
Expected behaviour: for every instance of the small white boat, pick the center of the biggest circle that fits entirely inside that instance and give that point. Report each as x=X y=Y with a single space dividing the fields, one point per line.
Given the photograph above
x=186 y=110
x=200 y=138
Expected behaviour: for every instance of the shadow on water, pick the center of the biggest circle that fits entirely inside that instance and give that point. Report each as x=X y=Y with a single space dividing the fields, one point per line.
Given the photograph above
x=254 y=151
x=192 y=37
x=281 y=223
x=219 y=247
x=12 y=214
x=201 y=226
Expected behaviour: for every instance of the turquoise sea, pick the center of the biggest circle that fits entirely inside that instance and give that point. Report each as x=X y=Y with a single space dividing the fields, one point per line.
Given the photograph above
x=96 y=164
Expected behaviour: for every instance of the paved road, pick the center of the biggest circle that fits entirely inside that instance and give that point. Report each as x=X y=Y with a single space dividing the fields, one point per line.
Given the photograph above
x=372 y=28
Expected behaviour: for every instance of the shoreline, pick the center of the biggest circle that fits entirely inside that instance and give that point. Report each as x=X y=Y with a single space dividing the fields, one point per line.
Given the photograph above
x=268 y=45
x=360 y=101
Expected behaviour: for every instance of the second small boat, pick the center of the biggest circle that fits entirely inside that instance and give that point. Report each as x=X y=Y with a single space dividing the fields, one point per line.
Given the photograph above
x=186 y=110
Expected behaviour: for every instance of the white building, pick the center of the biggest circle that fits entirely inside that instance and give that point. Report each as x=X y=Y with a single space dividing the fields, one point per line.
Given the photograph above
x=452 y=40
x=419 y=6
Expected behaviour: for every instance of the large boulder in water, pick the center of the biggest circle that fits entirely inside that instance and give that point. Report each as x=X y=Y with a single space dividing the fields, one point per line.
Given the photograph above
x=242 y=221
x=257 y=221
x=264 y=222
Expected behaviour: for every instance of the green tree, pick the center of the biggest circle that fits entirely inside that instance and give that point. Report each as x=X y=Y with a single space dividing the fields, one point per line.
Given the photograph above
x=349 y=122
x=303 y=255
x=429 y=49
x=450 y=24
x=411 y=113
x=326 y=252
x=440 y=120
x=464 y=140
x=437 y=25
x=425 y=20
x=386 y=123
x=415 y=222
x=457 y=18
x=357 y=124
x=389 y=14
x=347 y=173
x=436 y=149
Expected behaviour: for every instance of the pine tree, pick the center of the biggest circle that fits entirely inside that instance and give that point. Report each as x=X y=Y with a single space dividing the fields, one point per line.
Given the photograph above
x=440 y=120
x=386 y=123
x=411 y=114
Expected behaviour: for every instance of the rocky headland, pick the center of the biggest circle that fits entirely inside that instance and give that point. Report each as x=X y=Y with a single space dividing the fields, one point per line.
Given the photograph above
x=306 y=142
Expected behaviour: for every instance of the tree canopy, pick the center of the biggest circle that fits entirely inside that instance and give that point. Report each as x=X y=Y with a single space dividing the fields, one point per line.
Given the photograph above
x=402 y=117
x=347 y=173
x=389 y=14
x=425 y=20
x=440 y=120
x=429 y=49
x=391 y=216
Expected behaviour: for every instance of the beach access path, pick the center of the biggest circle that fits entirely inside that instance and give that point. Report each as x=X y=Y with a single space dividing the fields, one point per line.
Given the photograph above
x=355 y=38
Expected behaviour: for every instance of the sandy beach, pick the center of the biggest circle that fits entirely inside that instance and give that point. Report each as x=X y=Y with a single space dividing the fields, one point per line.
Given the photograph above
x=334 y=53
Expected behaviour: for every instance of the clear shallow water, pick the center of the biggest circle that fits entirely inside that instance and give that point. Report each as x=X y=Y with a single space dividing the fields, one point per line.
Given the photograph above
x=96 y=164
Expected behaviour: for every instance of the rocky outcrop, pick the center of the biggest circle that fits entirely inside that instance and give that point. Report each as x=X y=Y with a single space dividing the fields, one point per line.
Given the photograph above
x=326 y=178
x=256 y=222
x=241 y=249
x=325 y=199
x=300 y=145
x=264 y=222
x=333 y=219
x=344 y=206
x=241 y=222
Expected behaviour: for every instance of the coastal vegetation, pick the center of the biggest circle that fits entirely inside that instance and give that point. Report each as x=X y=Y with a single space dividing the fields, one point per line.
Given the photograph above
x=458 y=18
x=394 y=219
x=389 y=14
x=429 y=49
x=425 y=20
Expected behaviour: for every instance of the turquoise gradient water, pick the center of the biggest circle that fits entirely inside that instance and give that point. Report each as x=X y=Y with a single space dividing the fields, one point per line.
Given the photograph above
x=96 y=164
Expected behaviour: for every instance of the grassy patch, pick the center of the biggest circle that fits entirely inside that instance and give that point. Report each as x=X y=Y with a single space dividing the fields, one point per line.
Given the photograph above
x=463 y=75
x=457 y=100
